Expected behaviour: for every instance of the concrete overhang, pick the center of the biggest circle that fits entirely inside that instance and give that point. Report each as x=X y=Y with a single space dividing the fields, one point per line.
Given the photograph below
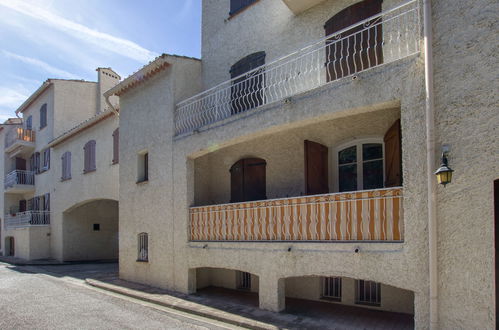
x=299 y=6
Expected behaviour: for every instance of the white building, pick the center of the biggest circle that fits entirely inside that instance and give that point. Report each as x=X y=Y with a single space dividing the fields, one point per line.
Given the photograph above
x=297 y=158
x=60 y=196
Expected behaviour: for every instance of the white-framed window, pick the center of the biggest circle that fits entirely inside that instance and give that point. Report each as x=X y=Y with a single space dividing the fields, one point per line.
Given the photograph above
x=331 y=288
x=359 y=165
x=143 y=247
x=367 y=293
x=244 y=280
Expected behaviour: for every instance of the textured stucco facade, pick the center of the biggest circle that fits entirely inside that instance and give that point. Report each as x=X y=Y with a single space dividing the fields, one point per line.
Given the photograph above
x=73 y=117
x=192 y=169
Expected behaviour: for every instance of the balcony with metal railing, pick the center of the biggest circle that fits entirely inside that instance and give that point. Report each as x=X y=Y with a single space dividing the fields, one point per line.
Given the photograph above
x=19 y=181
x=20 y=141
x=381 y=39
x=368 y=216
x=27 y=219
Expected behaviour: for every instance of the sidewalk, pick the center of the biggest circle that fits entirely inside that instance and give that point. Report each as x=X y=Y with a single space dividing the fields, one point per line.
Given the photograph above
x=241 y=309
x=48 y=262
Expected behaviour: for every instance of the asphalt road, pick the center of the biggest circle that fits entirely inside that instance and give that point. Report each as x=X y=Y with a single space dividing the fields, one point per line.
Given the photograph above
x=55 y=298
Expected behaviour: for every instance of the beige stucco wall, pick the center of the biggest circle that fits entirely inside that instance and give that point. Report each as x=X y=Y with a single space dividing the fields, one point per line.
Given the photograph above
x=222 y=278
x=30 y=243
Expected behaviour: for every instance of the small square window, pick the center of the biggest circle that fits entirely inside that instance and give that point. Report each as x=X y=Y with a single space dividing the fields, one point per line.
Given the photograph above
x=96 y=226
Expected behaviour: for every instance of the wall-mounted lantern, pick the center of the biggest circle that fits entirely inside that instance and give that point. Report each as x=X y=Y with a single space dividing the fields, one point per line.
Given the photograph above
x=444 y=172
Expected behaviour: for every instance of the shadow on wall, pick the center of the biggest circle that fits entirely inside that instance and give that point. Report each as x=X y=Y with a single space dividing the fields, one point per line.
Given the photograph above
x=90 y=231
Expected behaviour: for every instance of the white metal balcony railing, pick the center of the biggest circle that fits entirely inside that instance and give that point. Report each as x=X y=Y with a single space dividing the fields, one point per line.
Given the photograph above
x=19 y=177
x=380 y=39
x=369 y=215
x=27 y=219
x=19 y=134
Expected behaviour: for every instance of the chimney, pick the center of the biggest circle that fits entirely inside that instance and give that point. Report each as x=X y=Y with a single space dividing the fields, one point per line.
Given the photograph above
x=106 y=79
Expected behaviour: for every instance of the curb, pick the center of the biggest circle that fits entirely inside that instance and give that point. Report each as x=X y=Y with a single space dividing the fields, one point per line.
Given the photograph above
x=197 y=309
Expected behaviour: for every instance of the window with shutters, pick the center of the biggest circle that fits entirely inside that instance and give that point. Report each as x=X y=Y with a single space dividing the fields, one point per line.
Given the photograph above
x=237 y=6
x=46 y=160
x=247 y=91
x=43 y=116
x=29 y=123
x=360 y=165
x=116 y=146
x=36 y=163
x=66 y=166
x=358 y=48
x=143 y=167
x=89 y=157
x=143 y=247
x=367 y=293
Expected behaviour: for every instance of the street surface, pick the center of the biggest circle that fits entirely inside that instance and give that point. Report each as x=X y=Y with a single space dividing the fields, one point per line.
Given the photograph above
x=55 y=297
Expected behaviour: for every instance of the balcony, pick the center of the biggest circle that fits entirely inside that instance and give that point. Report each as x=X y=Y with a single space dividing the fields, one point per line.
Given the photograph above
x=20 y=142
x=367 y=216
x=378 y=40
x=27 y=219
x=20 y=182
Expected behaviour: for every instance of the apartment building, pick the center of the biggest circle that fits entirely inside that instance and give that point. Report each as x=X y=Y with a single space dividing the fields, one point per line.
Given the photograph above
x=297 y=158
x=60 y=197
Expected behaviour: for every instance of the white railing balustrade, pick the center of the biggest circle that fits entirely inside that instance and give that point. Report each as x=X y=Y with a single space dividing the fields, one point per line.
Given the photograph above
x=19 y=134
x=19 y=177
x=369 y=215
x=380 y=39
x=27 y=219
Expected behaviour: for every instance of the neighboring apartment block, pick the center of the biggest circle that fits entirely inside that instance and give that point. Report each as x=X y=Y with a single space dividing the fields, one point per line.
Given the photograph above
x=60 y=197
x=296 y=158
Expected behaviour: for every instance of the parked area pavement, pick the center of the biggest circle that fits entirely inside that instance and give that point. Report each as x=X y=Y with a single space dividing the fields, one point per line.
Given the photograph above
x=90 y=296
x=55 y=297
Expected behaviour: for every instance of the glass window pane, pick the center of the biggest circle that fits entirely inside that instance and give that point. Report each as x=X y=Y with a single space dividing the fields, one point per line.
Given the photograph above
x=372 y=151
x=348 y=155
x=348 y=177
x=373 y=174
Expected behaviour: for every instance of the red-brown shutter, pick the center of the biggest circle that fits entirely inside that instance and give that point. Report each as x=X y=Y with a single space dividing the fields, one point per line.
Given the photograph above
x=255 y=179
x=367 y=45
x=316 y=168
x=236 y=182
x=393 y=156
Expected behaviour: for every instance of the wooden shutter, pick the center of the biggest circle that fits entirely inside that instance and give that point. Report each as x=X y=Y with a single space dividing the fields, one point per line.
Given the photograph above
x=43 y=116
x=316 y=168
x=116 y=146
x=393 y=156
x=68 y=165
x=255 y=187
x=236 y=182
x=247 y=92
x=89 y=159
x=238 y=5
x=355 y=50
x=37 y=162
x=29 y=123
x=46 y=205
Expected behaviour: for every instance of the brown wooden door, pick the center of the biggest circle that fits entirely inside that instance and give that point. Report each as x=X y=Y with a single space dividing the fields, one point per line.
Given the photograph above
x=353 y=50
x=248 y=180
x=393 y=156
x=20 y=164
x=316 y=168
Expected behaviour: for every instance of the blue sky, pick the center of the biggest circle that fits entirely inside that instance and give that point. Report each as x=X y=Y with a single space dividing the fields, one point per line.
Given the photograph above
x=69 y=39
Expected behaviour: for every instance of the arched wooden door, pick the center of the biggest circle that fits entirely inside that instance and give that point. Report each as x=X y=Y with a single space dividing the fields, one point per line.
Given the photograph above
x=248 y=180
x=357 y=48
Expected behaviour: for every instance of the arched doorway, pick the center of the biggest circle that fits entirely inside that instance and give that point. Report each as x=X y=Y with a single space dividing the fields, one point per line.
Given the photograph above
x=90 y=231
x=248 y=180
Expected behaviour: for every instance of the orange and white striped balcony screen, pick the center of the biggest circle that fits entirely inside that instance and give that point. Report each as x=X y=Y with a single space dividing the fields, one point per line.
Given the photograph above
x=371 y=215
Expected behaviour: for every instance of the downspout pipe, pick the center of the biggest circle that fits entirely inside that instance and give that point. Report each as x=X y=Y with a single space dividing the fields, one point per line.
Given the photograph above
x=430 y=158
x=109 y=104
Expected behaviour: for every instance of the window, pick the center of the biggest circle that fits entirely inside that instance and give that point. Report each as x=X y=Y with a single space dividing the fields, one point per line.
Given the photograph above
x=89 y=157
x=29 y=123
x=360 y=166
x=96 y=226
x=66 y=166
x=247 y=90
x=143 y=247
x=244 y=280
x=367 y=293
x=116 y=146
x=238 y=5
x=331 y=288
x=46 y=159
x=43 y=116
x=35 y=162
x=143 y=167
x=248 y=180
